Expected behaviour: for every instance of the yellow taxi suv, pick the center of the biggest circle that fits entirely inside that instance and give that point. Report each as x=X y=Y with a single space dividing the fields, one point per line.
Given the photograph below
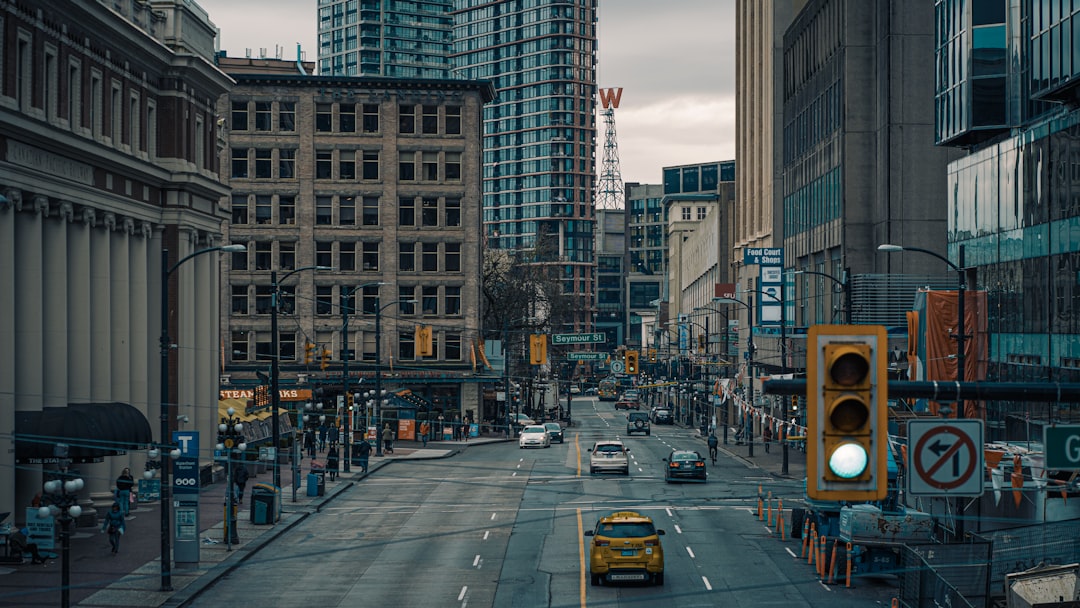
x=626 y=547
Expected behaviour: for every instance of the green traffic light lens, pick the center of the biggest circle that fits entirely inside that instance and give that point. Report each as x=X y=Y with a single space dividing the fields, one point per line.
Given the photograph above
x=849 y=369
x=848 y=461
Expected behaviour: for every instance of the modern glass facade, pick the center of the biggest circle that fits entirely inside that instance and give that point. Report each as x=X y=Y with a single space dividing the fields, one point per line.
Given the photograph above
x=394 y=38
x=540 y=132
x=690 y=179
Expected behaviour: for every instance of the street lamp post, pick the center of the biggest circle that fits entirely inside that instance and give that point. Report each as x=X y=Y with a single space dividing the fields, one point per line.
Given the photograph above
x=166 y=502
x=275 y=371
x=230 y=442
x=961 y=288
x=378 y=367
x=845 y=286
x=749 y=305
x=297 y=447
x=346 y=356
x=62 y=496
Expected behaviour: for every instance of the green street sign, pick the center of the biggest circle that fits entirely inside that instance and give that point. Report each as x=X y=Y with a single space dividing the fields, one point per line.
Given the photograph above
x=1061 y=444
x=578 y=338
x=586 y=356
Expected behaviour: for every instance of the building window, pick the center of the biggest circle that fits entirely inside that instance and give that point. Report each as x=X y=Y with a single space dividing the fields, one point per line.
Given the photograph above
x=286 y=209
x=701 y=213
x=452 y=300
x=263 y=116
x=452 y=207
x=371 y=118
x=324 y=253
x=405 y=294
x=347 y=300
x=371 y=299
x=407 y=166
x=239 y=209
x=286 y=164
x=429 y=257
x=346 y=211
x=453 y=166
x=406 y=211
x=429 y=213
x=430 y=166
x=324 y=299
x=263 y=299
x=263 y=259
x=286 y=299
x=686 y=213
x=239 y=116
x=116 y=116
x=239 y=300
x=287 y=346
x=452 y=258
x=371 y=211
x=406 y=119
x=239 y=162
x=239 y=261
x=453 y=120
x=324 y=211
x=264 y=210
x=286 y=116
x=371 y=165
x=96 y=102
x=324 y=117
x=406 y=257
x=263 y=164
x=324 y=164
x=429 y=300
x=74 y=97
x=262 y=347
x=286 y=255
x=346 y=164
x=452 y=346
x=371 y=257
x=430 y=121
x=347 y=257
x=347 y=117
x=406 y=346
x=239 y=346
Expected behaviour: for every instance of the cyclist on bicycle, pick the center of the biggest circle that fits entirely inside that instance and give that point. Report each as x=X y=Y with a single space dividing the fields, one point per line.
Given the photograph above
x=712 y=446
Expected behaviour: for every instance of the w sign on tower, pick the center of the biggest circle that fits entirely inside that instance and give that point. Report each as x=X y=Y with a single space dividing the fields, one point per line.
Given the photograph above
x=609 y=193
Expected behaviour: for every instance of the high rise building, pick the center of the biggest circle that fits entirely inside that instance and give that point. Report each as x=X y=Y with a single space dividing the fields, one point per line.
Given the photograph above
x=400 y=39
x=539 y=133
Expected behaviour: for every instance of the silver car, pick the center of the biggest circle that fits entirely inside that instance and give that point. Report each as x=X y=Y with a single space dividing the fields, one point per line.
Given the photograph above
x=534 y=436
x=609 y=456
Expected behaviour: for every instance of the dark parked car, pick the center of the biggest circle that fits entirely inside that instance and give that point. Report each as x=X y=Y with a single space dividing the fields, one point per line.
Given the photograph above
x=685 y=465
x=663 y=417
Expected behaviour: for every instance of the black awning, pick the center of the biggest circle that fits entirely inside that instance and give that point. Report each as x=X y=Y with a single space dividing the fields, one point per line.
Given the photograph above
x=92 y=431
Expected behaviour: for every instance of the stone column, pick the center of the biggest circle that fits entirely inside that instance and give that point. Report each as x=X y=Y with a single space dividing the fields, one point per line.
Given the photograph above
x=98 y=478
x=120 y=325
x=28 y=366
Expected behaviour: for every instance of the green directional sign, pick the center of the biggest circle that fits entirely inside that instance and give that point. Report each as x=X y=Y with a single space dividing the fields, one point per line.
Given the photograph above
x=586 y=356
x=1061 y=444
x=578 y=338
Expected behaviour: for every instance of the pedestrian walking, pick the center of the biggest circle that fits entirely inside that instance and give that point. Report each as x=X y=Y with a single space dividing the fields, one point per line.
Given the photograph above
x=309 y=443
x=124 y=484
x=388 y=439
x=323 y=430
x=713 y=445
x=424 y=432
x=334 y=436
x=766 y=437
x=240 y=479
x=332 y=462
x=466 y=428
x=362 y=451
x=114 y=525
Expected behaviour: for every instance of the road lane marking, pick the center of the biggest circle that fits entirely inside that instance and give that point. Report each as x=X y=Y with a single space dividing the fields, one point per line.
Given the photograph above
x=461 y=595
x=476 y=560
x=691 y=552
x=678 y=530
x=669 y=513
x=487 y=532
x=824 y=586
x=492 y=517
x=705 y=579
x=788 y=549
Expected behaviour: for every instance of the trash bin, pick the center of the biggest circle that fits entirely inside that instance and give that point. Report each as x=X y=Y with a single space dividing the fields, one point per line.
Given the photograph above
x=316 y=483
x=265 y=504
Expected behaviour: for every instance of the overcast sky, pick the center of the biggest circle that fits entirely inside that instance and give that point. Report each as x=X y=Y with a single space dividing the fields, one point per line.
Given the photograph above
x=674 y=59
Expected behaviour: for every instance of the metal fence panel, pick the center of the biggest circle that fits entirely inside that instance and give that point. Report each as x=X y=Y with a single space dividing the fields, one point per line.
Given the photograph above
x=1018 y=549
x=945 y=575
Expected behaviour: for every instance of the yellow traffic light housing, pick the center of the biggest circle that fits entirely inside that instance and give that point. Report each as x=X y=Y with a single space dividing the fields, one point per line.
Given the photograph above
x=652 y=355
x=325 y=359
x=424 y=341
x=847 y=412
x=309 y=353
x=537 y=349
x=631 y=362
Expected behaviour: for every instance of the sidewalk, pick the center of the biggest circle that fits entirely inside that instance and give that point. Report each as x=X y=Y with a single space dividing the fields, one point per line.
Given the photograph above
x=133 y=577
x=771 y=462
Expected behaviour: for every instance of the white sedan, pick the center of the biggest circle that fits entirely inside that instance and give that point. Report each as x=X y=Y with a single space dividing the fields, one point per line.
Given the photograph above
x=535 y=436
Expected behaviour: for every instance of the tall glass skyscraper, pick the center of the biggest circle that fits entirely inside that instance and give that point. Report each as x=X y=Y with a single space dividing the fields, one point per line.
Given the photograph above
x=539 y=133
x=396 y=38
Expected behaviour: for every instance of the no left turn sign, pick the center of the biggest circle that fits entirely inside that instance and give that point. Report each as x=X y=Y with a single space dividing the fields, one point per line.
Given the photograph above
x=945 y=457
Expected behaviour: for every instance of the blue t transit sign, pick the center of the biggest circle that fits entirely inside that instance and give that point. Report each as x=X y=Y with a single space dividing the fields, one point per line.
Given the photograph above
x=186 y=468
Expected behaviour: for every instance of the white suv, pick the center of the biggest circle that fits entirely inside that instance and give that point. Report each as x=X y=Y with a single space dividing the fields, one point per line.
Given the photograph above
x=609 y=456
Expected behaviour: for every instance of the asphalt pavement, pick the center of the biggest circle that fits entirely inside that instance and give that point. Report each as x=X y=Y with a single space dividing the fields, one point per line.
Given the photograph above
x=133 y=577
